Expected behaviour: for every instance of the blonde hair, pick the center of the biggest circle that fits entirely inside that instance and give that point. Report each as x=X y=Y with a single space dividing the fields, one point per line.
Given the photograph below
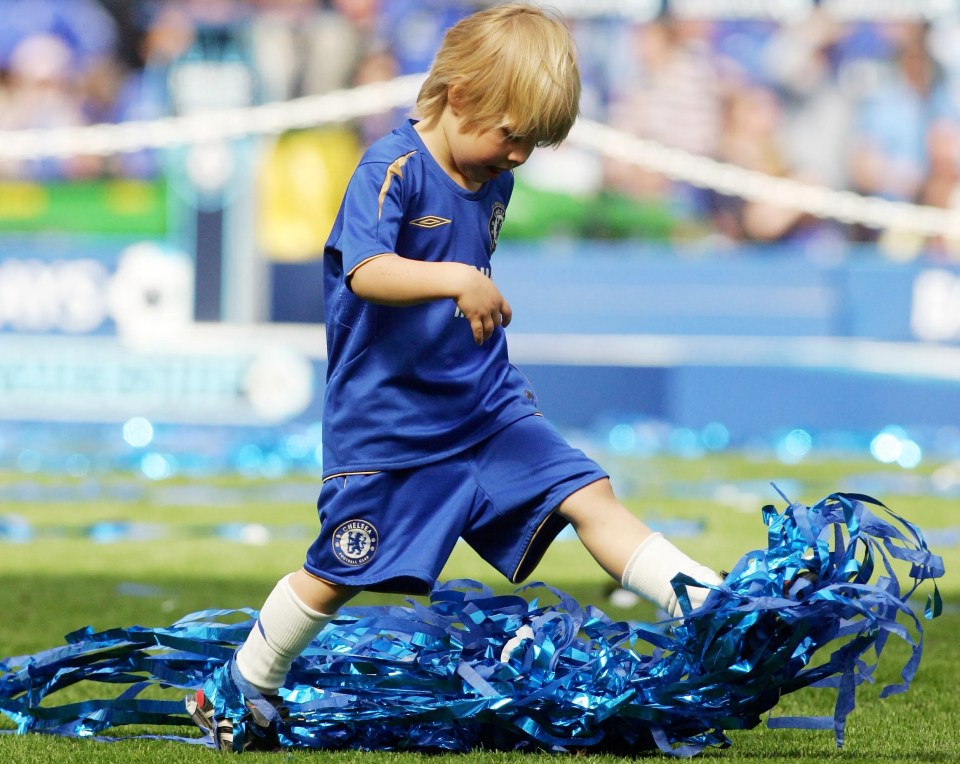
x=514 y=66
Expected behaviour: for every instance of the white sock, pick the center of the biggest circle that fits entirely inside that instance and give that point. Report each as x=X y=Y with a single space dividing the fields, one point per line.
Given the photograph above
x=284 y=629
x=652 y=566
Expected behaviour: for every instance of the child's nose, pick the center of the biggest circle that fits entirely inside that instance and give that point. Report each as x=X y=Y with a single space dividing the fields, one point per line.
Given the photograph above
x=519 y=154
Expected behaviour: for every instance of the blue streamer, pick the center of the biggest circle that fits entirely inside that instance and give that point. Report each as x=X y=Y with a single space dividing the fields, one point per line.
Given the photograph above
x=474 y=669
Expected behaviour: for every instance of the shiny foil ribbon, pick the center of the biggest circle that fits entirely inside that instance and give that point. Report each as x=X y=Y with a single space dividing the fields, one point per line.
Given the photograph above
x=536 y=670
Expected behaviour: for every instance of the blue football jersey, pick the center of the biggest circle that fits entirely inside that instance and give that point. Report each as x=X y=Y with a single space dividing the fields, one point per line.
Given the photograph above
x=408 y=385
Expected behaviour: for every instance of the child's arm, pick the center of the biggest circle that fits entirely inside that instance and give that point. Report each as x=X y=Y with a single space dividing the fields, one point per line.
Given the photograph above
x=393 y=280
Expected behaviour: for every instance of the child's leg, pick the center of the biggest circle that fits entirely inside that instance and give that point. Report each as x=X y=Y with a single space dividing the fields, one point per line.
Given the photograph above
x=624 y=546
x=293 y=614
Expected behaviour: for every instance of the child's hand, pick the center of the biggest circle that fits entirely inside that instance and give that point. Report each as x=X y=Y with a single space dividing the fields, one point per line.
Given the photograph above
x=482 y=304
x=393 y=280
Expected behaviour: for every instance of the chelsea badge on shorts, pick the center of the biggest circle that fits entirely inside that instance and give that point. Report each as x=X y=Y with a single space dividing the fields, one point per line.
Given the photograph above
x=355 y=542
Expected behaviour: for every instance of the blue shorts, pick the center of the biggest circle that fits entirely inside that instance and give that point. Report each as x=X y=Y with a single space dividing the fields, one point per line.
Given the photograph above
x=393 y=531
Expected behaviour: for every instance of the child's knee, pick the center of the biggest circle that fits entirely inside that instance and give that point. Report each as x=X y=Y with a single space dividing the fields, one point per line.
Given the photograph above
x=319 y=595
x=593 y=502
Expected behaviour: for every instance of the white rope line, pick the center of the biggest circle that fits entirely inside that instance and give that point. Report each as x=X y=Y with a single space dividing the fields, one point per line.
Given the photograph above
x=202 y=127
x=819 y=201
x=376 y=98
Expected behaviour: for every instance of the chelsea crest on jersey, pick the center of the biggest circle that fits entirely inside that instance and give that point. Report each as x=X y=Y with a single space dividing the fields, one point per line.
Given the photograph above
x=497 y=215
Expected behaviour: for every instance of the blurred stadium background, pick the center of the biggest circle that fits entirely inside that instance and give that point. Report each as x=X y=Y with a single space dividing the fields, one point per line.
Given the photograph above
x=750 y=241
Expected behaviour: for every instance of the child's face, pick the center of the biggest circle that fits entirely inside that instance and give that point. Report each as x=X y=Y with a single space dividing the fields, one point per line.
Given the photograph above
x=481 y=155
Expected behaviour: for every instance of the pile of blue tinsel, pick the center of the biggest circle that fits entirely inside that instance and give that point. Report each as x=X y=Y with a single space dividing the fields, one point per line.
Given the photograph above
x=535 y=670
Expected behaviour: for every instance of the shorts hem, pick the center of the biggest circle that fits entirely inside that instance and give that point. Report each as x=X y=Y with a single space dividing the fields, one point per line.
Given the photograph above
x=407 y=582
x=550 y=526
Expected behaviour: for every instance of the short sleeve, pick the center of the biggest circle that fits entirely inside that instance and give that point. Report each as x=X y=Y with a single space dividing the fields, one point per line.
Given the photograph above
x=373 y=209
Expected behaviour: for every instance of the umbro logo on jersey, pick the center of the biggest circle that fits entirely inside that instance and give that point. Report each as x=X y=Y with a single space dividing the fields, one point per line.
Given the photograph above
x=430 y=221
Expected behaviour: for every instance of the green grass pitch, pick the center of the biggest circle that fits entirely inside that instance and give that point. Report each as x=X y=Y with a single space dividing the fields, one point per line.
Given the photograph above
x=64 y=580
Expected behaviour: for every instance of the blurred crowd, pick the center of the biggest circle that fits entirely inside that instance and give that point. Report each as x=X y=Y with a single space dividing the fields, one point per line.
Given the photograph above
x=872 y=107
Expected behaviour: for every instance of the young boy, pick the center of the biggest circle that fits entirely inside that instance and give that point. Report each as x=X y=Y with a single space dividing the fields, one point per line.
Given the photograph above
x=429 y=433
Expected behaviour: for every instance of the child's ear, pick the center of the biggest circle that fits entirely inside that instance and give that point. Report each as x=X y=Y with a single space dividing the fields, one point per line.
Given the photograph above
x=455 y=97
